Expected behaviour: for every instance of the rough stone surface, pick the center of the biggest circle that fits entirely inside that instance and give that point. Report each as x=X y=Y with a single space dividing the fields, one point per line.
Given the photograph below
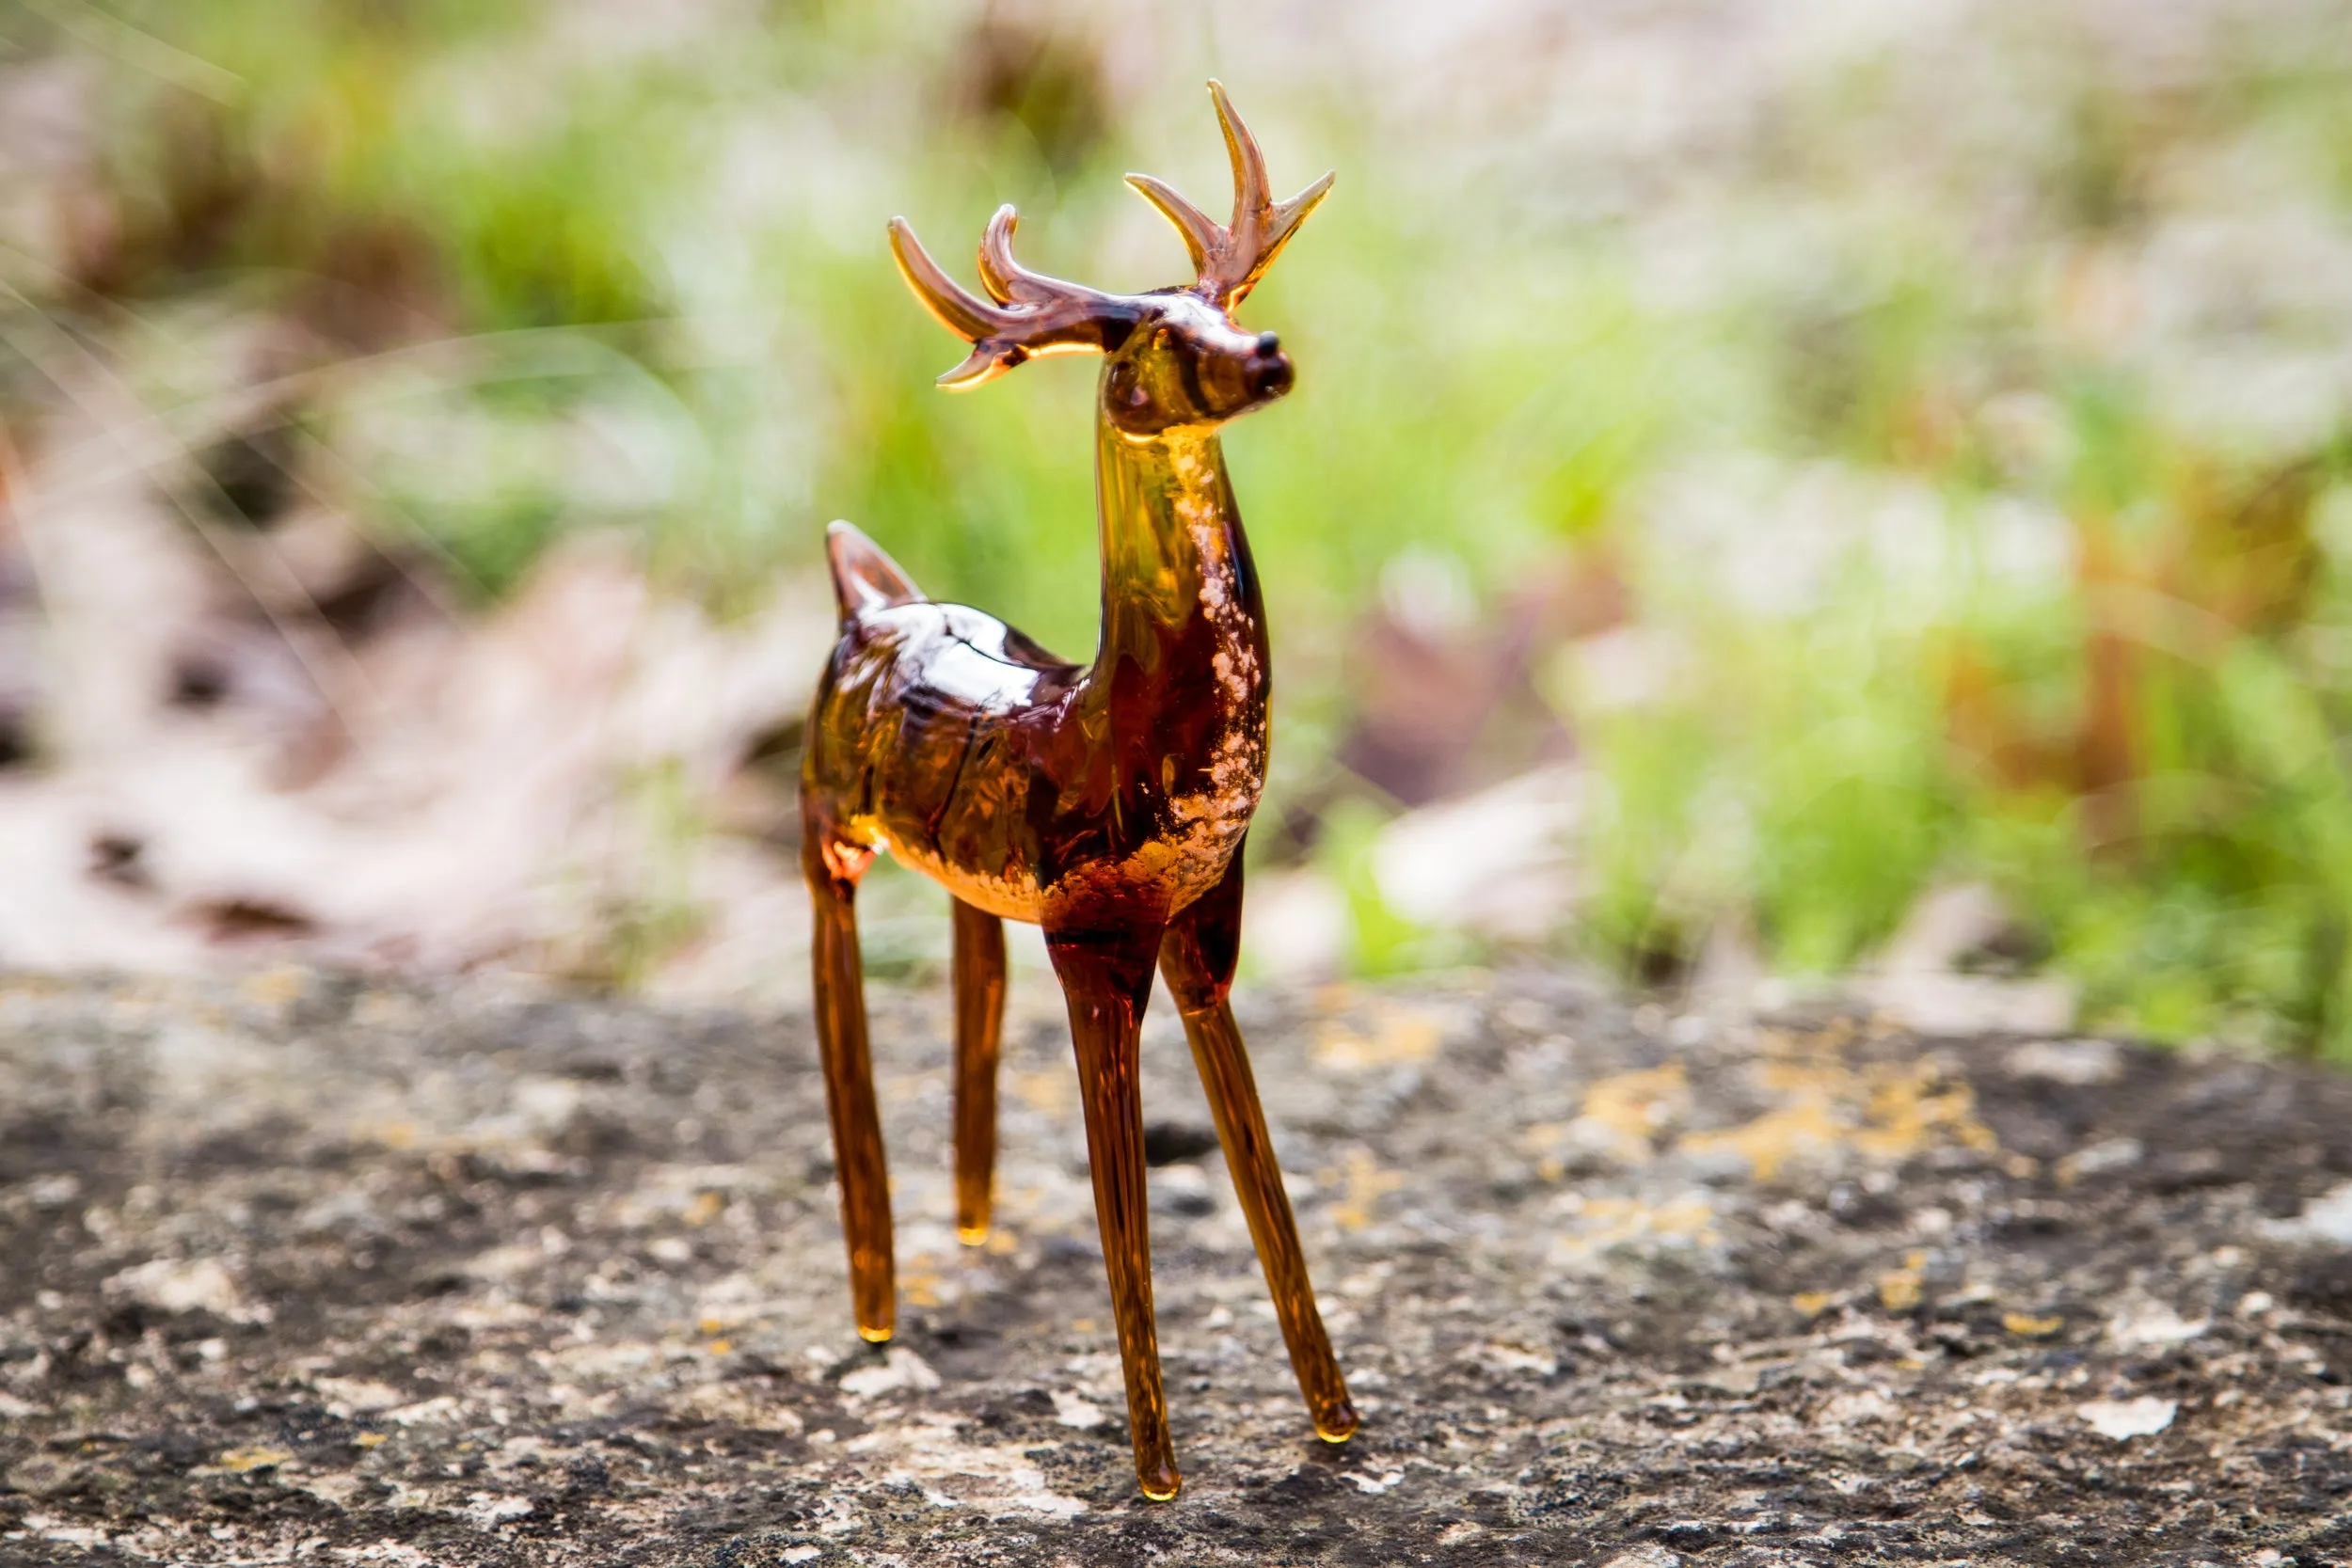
x=302 y=1270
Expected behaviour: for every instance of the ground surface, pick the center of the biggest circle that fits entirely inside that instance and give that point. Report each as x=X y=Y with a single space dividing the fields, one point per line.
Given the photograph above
x=301 y=1270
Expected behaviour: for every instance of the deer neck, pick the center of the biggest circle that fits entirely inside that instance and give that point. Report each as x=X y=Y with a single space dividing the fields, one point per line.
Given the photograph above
x=1183 y=627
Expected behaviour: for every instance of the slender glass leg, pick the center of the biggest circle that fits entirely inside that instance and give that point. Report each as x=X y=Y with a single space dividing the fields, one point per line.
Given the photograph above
x=980 y=983
x=1197 y=957
x=857 y=1143
x=1107 y=978
x=1216 y=1049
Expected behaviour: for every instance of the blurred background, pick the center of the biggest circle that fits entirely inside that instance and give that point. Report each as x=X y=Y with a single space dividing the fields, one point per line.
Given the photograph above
x=1776 y=494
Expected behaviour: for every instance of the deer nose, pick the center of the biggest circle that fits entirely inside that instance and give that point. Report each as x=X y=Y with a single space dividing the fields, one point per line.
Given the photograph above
x=1271 y=376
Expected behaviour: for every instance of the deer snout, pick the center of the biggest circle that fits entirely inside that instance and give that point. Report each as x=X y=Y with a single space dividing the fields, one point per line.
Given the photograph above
x=1270 y=373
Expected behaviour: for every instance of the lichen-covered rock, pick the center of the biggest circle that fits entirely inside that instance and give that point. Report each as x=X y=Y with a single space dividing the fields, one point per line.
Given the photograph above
x=308 y=1270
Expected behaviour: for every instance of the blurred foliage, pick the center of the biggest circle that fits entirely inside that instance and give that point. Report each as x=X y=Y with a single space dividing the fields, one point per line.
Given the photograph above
x=664 y=257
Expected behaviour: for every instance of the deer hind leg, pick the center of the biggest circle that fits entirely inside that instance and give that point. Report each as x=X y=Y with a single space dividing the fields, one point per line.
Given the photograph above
x=980 y=983
x=833 y=871
x=1107 y=977
x=1197 y=957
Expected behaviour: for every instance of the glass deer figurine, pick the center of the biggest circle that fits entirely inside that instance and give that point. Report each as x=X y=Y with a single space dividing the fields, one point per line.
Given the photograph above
x=1106 y=802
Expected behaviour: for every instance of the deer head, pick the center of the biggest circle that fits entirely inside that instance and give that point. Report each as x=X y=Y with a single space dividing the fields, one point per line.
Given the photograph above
x=1176 y=356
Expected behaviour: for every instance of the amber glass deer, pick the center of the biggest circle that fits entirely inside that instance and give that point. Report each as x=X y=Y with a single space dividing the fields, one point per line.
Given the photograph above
x=1105 y=803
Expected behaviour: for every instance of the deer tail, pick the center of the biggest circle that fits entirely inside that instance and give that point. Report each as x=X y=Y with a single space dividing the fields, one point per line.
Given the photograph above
x=864 y=578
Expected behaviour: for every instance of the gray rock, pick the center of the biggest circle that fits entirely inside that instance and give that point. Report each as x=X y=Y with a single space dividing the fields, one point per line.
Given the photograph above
x=309 y=1271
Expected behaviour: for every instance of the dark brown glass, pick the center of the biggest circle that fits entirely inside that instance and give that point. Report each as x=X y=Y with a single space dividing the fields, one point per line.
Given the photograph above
x=1106 y=802
x=1197 y=958
x=979 y=977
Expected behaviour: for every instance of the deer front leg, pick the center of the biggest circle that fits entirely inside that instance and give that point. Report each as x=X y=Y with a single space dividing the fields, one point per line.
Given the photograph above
x=832 y=871
x=980 y=983
x=1106 y=977
x=1197 y=957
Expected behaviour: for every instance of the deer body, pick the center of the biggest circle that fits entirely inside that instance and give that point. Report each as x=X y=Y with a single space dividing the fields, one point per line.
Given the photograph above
x=1018 y=781
x=1107 y=803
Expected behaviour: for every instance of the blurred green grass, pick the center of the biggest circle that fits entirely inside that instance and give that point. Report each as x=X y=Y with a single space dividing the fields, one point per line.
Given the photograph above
x=2137 y=738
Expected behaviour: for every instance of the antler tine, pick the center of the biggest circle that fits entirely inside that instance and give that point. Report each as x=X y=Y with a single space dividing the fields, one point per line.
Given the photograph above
x=1250 y=187
x=1000 y=275
x=1015 y=285
x=1230 y=258
x=1033 y=314
x=947 y=300
x=1202 y=236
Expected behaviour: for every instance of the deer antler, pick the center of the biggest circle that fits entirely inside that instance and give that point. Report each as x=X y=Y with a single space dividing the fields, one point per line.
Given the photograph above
x=1033 y=314
x=1232 y=259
